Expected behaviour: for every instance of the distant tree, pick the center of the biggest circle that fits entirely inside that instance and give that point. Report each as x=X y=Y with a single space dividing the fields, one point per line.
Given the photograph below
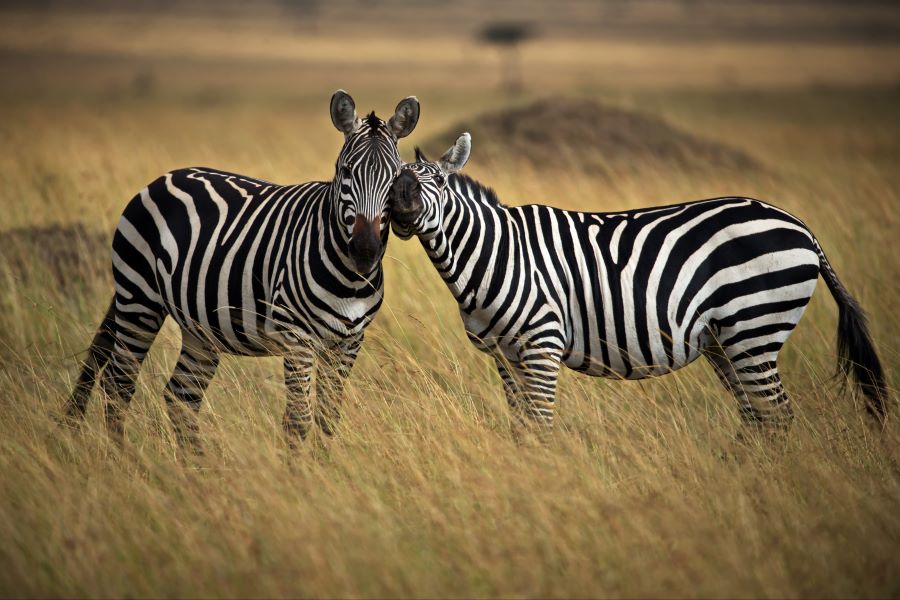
x=507 y=36
x=303 y=13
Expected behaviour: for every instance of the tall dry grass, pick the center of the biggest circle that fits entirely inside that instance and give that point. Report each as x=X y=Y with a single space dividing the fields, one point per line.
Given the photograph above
x=640 y=492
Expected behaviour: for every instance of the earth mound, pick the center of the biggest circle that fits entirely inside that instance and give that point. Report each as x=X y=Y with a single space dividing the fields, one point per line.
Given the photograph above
x=565 y=133
x=67 y=255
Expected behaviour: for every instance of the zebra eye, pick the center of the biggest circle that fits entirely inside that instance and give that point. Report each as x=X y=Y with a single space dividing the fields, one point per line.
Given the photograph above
x=348 y=219
x=439 y=179
x=345 y=172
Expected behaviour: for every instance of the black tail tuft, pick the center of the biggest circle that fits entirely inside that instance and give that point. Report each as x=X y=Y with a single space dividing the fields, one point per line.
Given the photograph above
x=857 y=358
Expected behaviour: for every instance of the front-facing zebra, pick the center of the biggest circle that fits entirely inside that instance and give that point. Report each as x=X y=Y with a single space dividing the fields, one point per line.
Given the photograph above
x=252 y=268
x=627 y=295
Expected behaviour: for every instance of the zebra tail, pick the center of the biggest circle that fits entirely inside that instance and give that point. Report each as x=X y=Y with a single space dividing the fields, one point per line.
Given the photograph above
x=98 y=356
x=857 y=358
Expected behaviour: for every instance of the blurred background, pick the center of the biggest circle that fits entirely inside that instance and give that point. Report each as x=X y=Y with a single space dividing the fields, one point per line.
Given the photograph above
x=609 y=84
x=209 y=50
x=590 y=105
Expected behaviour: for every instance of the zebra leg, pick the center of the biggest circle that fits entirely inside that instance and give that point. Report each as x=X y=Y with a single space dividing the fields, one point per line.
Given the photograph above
x=195 y=368
x=298 y=366
x=98 y=355
x=514 y=399
x=510 y=387
x=530 y=388
x=135 y=331
x=756 y=384
x=334 y=365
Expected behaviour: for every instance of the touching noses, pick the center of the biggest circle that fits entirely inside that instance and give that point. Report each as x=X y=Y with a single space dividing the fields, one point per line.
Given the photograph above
x=406 y=195
x=365 y=244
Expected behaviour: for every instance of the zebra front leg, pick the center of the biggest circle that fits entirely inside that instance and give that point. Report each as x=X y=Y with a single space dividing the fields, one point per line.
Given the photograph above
x=530 y=388
x=298 y=366
x=334 y=365
x=184 y=392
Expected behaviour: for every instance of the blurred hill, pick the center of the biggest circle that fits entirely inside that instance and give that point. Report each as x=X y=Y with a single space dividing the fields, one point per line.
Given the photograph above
x=565 y=133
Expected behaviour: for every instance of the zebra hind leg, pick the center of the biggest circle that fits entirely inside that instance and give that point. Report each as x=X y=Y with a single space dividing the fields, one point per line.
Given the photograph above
x=756 y=384
x=98 y=355
x=135 y=329
x=184 y=392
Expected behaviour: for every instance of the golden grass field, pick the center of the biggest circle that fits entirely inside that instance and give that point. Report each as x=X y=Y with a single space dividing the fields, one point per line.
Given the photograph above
x=640 y=492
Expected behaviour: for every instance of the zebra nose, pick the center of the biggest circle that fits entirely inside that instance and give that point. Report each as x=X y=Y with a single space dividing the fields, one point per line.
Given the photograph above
x=365 y=246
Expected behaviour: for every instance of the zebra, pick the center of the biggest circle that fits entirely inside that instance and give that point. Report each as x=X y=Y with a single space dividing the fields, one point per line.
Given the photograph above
x=629 y=294
x=252 y=268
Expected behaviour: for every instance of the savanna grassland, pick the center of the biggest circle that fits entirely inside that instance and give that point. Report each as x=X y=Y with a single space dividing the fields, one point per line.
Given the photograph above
x=641 y=491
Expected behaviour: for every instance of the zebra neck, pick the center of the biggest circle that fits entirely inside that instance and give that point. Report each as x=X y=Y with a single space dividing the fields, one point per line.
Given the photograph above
x=315 y=253
x=464 y=250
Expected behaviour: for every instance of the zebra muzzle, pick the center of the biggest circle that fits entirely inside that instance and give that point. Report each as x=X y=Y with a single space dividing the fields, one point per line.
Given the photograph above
x=365 y=245
x=406 y=198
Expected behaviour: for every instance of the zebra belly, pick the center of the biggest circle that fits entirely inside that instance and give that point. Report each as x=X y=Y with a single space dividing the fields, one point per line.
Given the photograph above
x=739 y=317
x=250 y=333
x=234 y=330
x=596 y=367
x=233 y=312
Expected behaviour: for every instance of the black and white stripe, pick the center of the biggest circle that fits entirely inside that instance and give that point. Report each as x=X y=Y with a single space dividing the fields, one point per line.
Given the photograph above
x=628 y=295
x=249 y=267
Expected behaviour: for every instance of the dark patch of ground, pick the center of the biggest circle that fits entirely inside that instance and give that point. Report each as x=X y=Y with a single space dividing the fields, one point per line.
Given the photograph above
x=65 y=257
x=565 y=133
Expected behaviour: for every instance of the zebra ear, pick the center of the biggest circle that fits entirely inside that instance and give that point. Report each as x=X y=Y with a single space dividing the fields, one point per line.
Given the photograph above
x=343 y=112
x=406 y=115
x=456 y=157
x=420 y=156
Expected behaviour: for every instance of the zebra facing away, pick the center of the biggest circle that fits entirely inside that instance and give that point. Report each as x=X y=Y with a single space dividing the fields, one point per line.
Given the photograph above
x=630 y=294
x=249 y=267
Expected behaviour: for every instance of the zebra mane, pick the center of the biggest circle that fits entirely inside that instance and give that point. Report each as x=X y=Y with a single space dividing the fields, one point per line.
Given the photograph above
x=374 y=122
x=487 y=193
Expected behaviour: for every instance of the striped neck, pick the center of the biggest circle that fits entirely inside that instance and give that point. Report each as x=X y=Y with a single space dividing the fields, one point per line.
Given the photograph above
x=473 y=227
x=326 y=261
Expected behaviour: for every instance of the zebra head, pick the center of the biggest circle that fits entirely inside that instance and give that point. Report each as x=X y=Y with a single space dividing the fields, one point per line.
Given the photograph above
x=420 y=191
x=364 y=172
